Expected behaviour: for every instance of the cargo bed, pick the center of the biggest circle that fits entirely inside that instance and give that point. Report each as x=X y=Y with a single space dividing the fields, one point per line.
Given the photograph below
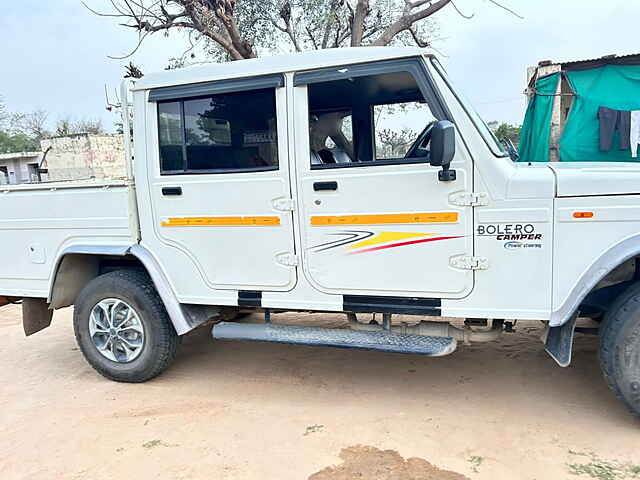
x=38 y=221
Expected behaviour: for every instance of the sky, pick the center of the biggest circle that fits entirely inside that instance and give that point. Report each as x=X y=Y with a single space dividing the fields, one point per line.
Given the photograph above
x=54 y=55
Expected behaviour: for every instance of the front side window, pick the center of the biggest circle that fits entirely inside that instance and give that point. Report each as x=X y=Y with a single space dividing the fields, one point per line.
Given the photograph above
x=368 y=120
x=490 y=139
x=217 y=134
x=396 y=127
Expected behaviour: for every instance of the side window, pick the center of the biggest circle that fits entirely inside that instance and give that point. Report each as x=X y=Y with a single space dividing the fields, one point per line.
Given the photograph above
x=331 y=136
x=170 y=136
x=222 y=133
x=368 y=120
x=396 y=127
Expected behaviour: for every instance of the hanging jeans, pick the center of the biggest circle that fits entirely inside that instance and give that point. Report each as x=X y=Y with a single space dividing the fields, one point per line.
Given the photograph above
x=610 y=121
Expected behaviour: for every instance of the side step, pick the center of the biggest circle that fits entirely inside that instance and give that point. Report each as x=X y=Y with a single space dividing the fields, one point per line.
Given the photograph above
x=336 y=337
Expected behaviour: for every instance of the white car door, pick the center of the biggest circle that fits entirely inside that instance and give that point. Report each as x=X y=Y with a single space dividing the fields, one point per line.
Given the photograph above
x=376 y=219
x=220 y=188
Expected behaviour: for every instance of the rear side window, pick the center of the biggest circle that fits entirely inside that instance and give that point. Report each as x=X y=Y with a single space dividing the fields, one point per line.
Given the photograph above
x=231 y=132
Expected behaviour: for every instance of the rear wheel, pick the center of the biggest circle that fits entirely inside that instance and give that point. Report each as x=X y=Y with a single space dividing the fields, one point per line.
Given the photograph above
x=620 y=348
x=122 y=327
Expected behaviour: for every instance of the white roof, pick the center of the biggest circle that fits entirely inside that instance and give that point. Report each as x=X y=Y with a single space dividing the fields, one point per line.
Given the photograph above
x=275 y=64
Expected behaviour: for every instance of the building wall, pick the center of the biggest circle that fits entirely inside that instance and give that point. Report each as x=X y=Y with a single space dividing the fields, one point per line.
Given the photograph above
x=83 y=156
x=17 y=167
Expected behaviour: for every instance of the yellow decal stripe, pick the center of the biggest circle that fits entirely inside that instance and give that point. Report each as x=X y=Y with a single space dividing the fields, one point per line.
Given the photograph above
x=384 y=237
x=383 y=219
x=258 y=221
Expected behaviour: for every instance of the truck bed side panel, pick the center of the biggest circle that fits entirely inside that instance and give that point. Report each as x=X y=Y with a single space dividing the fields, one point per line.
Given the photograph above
x=38 y=223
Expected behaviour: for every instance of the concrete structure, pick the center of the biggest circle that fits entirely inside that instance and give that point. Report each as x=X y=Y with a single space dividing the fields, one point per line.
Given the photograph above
x=21 y=167
x=84 y=156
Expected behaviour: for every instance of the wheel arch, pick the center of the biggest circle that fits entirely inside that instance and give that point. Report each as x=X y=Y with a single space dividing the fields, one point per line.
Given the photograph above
x=601 y=269
x=79 y=264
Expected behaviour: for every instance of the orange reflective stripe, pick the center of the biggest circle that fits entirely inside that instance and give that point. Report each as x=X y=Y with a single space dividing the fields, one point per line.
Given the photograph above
x=382 y=219
x=221 y=221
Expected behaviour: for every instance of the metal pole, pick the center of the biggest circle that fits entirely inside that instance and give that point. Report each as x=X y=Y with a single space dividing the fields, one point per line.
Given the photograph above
x=386 y=321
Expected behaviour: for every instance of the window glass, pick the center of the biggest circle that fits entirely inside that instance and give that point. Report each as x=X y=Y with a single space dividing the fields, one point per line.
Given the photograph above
x=490 y=139
x=395 y=127
x=368 y=119
x=170 y=136
x=331 y=136
x=235 y=131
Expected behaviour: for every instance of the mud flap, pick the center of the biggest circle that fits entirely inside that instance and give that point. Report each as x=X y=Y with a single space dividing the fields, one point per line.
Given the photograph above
x=36 y=315
x=560 y=341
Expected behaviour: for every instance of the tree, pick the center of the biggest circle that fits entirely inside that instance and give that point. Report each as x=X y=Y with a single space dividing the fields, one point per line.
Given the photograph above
x=237 y=29
x=396 y=143
x=4 y=114
x=17 y=130
x=32 y=124
x=19 y=142
x=506 y=131
x=68 y=126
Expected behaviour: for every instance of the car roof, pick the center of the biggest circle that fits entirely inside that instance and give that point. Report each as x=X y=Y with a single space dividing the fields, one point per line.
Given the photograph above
x=275 y=64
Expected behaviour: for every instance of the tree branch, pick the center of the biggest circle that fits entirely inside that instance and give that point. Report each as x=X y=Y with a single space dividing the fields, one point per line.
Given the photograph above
x=327 y=25
x=285 y=15
x=468 y=17
x=507 y=9
x=408 y=18
x=419 y=42
x=357 y=25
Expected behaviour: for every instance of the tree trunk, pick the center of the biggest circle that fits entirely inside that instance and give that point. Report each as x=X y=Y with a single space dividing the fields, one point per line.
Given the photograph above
x=357 y=29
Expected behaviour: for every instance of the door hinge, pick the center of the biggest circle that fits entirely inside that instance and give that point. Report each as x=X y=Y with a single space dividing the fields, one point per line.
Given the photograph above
x=284 y=204
x=287 y=259
x=469 y=199
x=463 y=262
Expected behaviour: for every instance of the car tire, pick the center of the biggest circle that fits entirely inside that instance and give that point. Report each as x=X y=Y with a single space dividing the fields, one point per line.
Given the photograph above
x=620 y=348
x=122 y=327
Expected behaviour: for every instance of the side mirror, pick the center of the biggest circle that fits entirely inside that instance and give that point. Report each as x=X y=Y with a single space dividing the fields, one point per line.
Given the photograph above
x=443 y=149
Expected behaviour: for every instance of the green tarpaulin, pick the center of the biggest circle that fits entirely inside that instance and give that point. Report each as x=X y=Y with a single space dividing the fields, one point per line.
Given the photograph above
x=536 y=128
x=612 y=86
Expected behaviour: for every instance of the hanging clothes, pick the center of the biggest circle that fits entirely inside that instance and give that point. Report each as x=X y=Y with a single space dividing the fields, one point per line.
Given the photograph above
x=610 y=121
x=634 y=137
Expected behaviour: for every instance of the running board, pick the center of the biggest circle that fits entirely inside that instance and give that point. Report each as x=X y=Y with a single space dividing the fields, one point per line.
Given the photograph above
x=336 y=337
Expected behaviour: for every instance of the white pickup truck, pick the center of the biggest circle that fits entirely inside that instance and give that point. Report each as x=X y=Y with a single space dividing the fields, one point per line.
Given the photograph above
x=288 y=184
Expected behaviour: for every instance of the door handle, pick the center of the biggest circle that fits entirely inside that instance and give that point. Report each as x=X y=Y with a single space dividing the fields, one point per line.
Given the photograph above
x=171 y=191
x=320 y=186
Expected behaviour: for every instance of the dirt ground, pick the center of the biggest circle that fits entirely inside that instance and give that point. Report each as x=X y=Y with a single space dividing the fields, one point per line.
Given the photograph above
x=236 y=410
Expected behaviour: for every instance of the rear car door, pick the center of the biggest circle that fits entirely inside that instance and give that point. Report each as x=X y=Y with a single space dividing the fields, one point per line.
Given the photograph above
x=374 y=216
x=220 y=188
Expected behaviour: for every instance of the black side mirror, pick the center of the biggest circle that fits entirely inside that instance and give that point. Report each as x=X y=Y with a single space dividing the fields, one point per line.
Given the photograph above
x=443 y=149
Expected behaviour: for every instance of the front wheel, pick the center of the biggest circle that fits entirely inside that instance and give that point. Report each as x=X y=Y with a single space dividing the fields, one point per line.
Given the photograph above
x=620 y=348
x=122 y=327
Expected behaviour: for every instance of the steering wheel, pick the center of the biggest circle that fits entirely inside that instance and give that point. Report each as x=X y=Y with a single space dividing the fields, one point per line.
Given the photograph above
x=421 y=142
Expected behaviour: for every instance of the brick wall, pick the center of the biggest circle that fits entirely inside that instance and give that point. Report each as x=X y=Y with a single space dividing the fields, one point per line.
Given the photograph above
x=84 y=156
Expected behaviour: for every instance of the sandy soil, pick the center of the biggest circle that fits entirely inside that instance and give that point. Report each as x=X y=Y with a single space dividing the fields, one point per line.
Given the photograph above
x=235 y=410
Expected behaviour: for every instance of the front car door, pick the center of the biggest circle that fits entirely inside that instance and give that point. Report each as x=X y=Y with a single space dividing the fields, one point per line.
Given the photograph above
x=375 y=219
